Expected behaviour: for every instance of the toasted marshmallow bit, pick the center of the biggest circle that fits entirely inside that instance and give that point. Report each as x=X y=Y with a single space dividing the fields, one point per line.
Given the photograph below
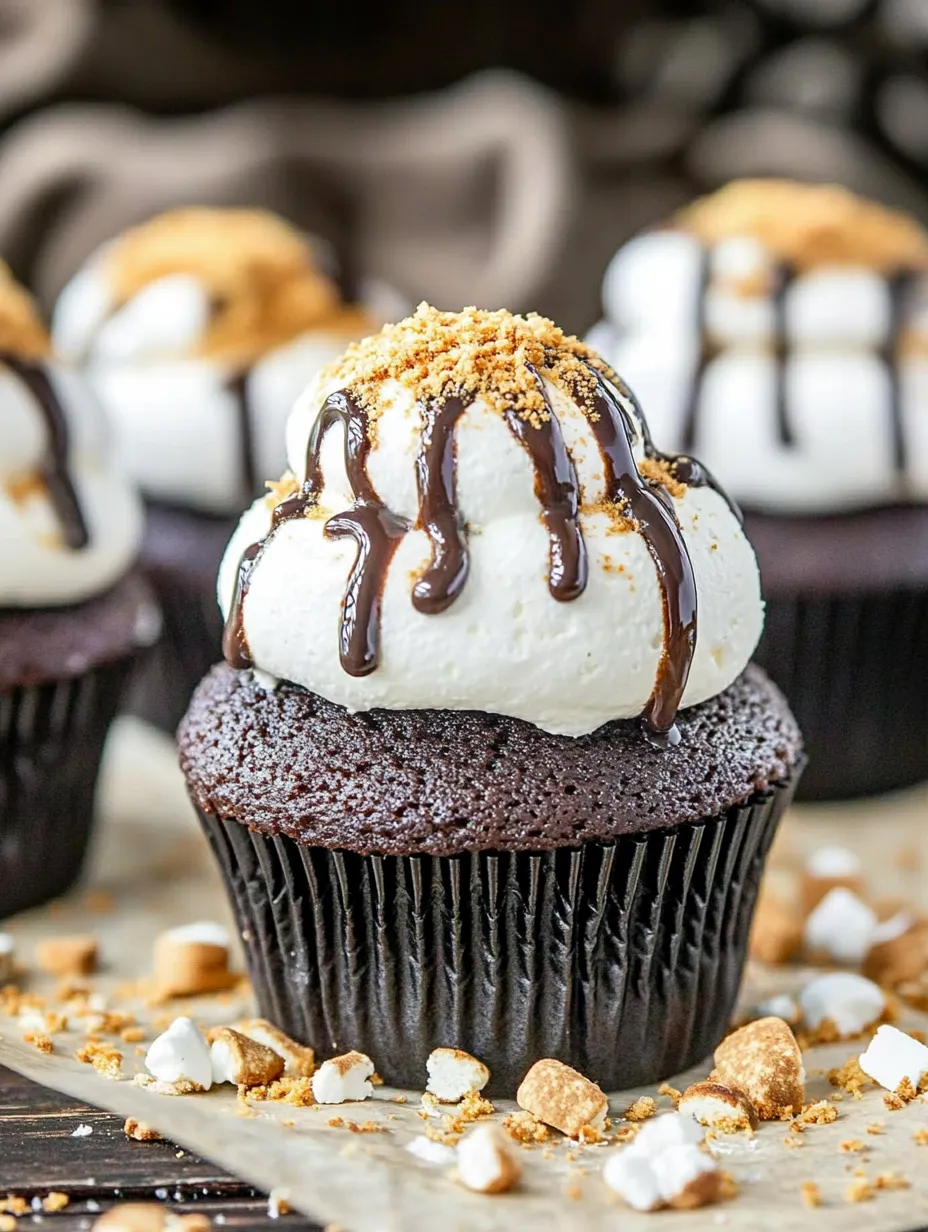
x=665 y=1166
x=7 y=957
x=299 y=1059
x=181 y=1055
x=776 y=933
x=892 y=1057
x=236 y=1058
x=452 y=1073
x=343 y=1079
x=763 y=1060
x=841 y=926
x=687 y=1177
x=141 y=1131
x=486 y=1161
x=633 y=1178
x=148 y=1217
x=430 y=1152
x=562 y=1097
x=76 y=955
x=898 y=951
x=780 y=1006
x=192 y=959
x=829 y=868
x=849 y=1001
x=720 y=1107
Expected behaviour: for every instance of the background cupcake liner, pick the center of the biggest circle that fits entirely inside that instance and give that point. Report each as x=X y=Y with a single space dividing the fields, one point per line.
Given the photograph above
x=51 y=742
x=854 y=669
x=622 y=960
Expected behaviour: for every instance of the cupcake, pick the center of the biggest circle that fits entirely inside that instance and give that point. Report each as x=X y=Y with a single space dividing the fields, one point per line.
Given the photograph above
x=197 y=331
x=780 y=331
x=486 y=765
x=73 y=615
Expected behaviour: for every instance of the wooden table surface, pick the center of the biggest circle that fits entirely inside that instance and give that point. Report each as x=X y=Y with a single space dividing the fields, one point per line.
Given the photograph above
x=39 y=1153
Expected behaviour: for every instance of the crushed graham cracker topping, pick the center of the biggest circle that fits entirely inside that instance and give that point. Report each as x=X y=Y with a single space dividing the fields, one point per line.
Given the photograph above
x=264 y=283
x=809 y=225
x=22 y=332
x=473 y=353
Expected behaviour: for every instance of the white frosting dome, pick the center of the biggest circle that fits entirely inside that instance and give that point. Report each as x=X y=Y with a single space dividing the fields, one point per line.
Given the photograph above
x=198 y=425
x=504 y=644
x=71 y=528
x=724 y=345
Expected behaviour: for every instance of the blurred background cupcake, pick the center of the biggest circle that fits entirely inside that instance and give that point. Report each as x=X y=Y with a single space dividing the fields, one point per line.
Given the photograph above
x=73 y=614
x=487 y=765
x=780 y=331
x=197 y=330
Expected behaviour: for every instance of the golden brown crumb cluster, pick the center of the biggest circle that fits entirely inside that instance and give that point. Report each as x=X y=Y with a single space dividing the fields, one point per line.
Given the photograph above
x=809 y=224
x=264 y=284
x=21 y=330
x=473 y=353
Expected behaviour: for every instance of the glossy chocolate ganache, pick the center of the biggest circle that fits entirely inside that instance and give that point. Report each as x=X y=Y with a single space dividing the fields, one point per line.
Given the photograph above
x=522 y=369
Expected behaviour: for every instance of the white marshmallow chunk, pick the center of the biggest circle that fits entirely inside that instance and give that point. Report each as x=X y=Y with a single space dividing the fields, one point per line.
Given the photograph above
x=850 y=1001
x=841 y=926
x=661 y=1133
x=633 y=1178
x=181 y=1054
x=430 y=1152
x=486 y=1161
x=892 y=1056
x=833 y=861
x=453 y=1073
x=678 y=1167
x=343 y=1079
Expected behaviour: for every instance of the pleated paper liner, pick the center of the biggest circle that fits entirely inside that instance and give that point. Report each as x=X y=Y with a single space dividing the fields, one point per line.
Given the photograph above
x=622 y=960
x=854 y=669
x=51 y=742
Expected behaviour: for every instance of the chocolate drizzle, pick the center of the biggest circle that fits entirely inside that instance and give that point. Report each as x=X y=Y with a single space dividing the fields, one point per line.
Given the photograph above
x=651 y=506
x=237 y=386
x=56 y=474
x=899 y=285
x=439 y=516
x=690 y=420
x=782 y=281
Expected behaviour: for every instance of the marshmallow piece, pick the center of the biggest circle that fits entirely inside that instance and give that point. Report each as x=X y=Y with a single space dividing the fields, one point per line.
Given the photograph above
x=430 y=1152
x=452 y=1073
x=897 y=953
x=560 y=1096
x=829 y=868
x=892 y=1057
x=776 y=933
x=849 y=1001
x=664 y=1131
x=75 y=955
x=167 y=317
x=7 y=957
x=192 y=959
x=687 y=1177
x=633 y=1178
x=299 y=1059
x=719 y=1106
x=781 y=1006
x=243 y=1061
x=841 y=926
x=148 y=1217
x=343 y=1079
x=181 y=1054
x=486 y=1161
x=763 y=1060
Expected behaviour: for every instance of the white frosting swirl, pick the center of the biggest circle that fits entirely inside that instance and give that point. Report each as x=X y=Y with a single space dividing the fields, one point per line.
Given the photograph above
x=37 y=567
x=838 y=385
x=504 y=645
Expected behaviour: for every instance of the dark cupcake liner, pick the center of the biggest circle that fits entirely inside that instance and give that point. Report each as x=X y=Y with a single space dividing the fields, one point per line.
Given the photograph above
x=623 y=960
x=51 y=742
x=854 y=669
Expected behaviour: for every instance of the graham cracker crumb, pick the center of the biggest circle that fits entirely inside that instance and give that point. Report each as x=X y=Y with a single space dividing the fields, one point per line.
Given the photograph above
x=893 y=1102
x=850 y=1077
x=851 y=1145
x=56 y=1201
x=793 y=1142
x=140 y=1131
x=526 y=1129
x=105 y=1059
x=296 y=1091
x=670 y=1092
x=820 y=1113
x=920 y=1137
x=40 y=1042
x=891 y=1180
x=811 y=1194
x=859 y=1190
x=876 y=1127
x=642 y=1109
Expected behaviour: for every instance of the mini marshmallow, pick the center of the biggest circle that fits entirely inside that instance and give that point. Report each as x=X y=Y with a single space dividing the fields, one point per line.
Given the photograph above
x=430 y=1152
x=833 y=861
x=892 y=1056
x=849 y=1001
x=633 y=1178
x=181 y=1054
x=452 y=1073
x=781 y=1006
x=686 y=1176
x=192 y=959
x=763 y=1060
x=562 y=1097
x=299 y=1059
x=664 y=1131
x=236 y=1058
x=343 y=1079
x=7 y=960
x=719 y=1106
x=486 y=1161
x=841 y=926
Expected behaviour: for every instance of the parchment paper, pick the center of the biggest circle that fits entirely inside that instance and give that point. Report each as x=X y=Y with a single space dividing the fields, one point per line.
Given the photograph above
x=151 y=859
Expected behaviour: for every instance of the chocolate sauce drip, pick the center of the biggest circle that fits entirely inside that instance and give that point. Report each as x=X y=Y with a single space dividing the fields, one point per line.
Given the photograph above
x=374 y=528
x=691 y=409
x=238 y=388
x=439 y=516
x=782 y=281
x=650 y=505
x=55 y=472
x=558 y=492
x=899 y=285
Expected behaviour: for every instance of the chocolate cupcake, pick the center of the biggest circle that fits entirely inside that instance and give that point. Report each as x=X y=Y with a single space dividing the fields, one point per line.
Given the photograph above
x=73 y=616
x=475 y=771
x=780 y=331
x=197 y=330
